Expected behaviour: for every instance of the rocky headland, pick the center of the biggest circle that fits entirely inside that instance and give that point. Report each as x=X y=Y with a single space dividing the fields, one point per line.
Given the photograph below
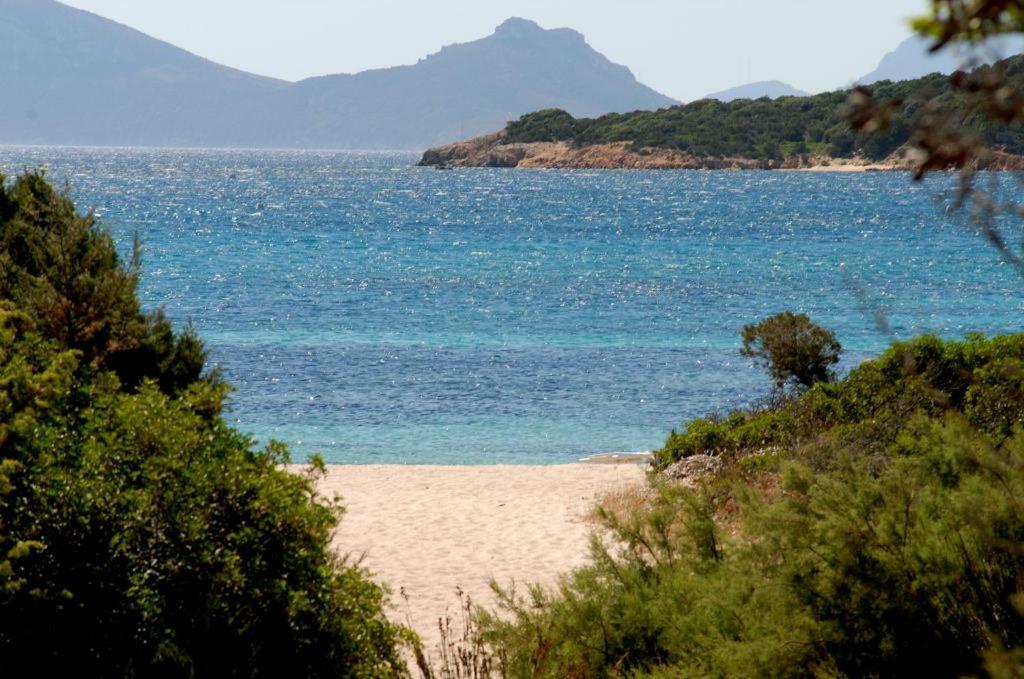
x=786 y=133
x=495 y=150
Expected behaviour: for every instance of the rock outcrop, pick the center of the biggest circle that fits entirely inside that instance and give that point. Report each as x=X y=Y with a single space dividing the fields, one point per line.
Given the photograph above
x=494 y=151
x=691 y=470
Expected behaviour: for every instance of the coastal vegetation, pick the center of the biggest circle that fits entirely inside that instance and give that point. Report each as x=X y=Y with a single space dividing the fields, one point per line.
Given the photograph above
x=788 y=132
x=867 y=527
x=774 y=129
x=794 y=350
x=140 y=535
x=869 y=524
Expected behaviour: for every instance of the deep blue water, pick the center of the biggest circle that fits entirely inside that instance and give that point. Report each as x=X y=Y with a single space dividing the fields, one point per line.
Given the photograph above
x=376 y=312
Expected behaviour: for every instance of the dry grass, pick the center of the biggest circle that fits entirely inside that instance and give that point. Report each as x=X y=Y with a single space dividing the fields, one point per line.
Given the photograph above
x=623 y=502
x=462 y=652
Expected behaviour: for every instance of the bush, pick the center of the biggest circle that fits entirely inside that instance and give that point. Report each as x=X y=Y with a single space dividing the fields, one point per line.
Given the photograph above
x=911 y=569
x=548 y=125
x=794 y=350
x=981 y=378
x=869 y=527
x=65 y=273
x=740 y=432
x=140 y=534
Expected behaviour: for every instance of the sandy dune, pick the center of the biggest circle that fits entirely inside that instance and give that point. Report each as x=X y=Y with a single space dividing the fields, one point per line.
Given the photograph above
x=430 y=530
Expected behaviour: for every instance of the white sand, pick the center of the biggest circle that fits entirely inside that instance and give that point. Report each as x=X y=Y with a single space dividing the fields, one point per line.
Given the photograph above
x=430 y=530
x=843 y=165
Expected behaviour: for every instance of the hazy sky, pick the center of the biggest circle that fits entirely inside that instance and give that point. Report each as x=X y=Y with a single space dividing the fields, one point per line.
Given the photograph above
x=684 y=48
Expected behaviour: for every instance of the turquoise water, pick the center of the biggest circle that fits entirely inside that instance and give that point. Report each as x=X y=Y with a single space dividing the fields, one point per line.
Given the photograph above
x=376 y=312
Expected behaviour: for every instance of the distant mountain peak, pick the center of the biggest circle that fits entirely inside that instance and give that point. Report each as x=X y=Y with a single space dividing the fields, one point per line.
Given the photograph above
x=773 y=89
x=518 y=25
x=75 y=78
x=913 y=58
x=516 y=28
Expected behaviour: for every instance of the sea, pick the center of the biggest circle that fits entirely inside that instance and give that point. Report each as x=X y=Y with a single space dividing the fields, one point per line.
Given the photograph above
x=375 y=312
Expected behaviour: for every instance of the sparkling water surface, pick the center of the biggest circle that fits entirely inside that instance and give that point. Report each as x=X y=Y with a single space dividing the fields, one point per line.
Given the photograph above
x=376 y=312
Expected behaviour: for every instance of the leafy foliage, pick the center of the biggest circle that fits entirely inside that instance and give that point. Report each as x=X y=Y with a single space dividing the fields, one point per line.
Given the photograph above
x=907 y=571
x=547 y=125
x=983 y=379
x=66 y=274
x=780 y=129
x=880 y=536
x=793 y=349
x=140 y=535
x=970 y=20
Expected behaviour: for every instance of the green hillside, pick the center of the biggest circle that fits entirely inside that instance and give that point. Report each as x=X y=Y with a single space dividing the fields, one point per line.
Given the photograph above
x=771 y=129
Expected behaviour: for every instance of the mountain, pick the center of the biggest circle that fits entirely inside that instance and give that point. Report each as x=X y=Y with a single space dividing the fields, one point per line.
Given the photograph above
x=912 y=58
x=71 y=77
x=468 y=89
x=773 y=89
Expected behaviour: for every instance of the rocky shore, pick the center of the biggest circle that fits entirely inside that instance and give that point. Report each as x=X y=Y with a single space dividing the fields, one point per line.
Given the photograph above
x=493 y=151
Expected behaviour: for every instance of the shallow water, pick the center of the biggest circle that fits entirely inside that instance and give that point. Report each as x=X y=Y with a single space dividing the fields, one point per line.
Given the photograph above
x=376 y=312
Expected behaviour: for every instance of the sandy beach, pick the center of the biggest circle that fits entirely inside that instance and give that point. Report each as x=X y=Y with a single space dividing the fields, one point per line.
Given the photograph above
x=430 y=530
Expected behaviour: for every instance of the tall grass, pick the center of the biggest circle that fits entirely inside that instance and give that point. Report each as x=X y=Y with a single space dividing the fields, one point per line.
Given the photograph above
x=461 y=652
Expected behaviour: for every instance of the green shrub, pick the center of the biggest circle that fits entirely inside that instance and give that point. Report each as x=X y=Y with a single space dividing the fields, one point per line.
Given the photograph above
x=65 y=273
x=981 y=378
x=869 y=527
x=792 y=349
x=140 y=535
x=741 y=432
x=995 y=402
x=699 y=437
x=547 y=125
x=911 y=569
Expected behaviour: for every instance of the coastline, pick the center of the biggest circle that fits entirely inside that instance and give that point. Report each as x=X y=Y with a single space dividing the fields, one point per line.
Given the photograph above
x=493 y=151
x=428 y=531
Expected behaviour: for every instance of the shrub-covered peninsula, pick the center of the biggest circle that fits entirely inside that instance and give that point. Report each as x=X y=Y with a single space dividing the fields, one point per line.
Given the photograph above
x=786 y=133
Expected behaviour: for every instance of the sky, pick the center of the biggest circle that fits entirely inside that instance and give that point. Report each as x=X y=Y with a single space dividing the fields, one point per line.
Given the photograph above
x=683 y=48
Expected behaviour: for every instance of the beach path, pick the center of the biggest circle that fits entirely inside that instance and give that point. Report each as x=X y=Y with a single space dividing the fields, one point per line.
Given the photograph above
x=431 y=530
